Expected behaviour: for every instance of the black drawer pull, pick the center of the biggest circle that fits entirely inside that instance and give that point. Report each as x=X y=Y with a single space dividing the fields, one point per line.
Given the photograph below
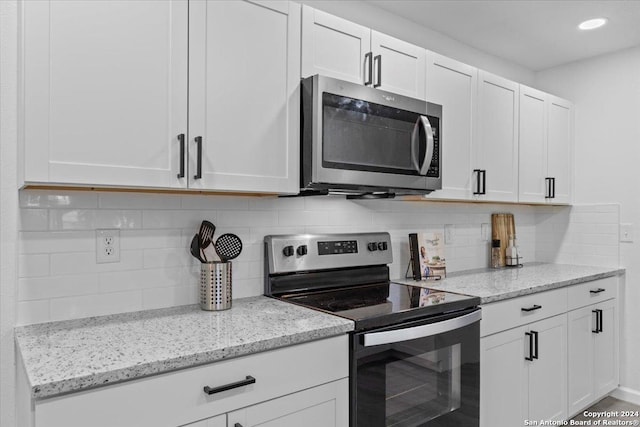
x=237 y=384
x=181 y=141
x=534 y=307
x=597 y=291
x=237 y=425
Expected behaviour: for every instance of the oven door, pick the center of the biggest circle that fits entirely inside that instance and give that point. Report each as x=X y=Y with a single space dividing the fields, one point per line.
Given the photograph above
x=421 y=373
x=366 y=137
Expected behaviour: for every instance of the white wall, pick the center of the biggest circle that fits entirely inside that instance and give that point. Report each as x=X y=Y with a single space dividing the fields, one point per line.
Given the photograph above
x=8 y=206
x=367 y=14
x=606 y=93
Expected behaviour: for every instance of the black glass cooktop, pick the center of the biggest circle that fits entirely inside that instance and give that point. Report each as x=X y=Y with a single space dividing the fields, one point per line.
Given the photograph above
x=384 y=303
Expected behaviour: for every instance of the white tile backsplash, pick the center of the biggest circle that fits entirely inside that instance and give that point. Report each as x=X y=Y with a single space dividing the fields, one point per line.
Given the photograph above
x=60 y=279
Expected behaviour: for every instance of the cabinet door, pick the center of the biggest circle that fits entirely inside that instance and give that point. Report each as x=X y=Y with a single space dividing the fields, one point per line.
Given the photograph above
x=105 y=92
x=532 y=146
x=497 y=148
x=244 y=73
x=560 y=147
x=323 y=406
x=548 y=373
x=398 y=66
x=580 y=328
x=606 y=351
x=219 y=421
x=334 y=47
x=503 y=379
x=454 y=85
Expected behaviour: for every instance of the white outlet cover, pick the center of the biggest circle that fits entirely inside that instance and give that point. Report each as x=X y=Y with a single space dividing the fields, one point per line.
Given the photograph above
x=107 y=246
x=449 y=234
x=626 y=232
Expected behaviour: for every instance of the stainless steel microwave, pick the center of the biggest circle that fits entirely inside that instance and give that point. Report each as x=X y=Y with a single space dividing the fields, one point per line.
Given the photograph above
x=358 y=139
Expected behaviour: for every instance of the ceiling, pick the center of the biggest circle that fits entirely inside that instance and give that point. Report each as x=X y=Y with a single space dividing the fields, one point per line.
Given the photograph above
x=537 y=34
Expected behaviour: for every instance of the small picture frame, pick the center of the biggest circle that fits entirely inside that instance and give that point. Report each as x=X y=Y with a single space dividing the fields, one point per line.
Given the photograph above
x=427 y=256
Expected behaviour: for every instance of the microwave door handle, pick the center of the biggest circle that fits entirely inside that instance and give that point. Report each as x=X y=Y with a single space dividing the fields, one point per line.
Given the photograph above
x=415 y=140
x=428 y=155
x=430 y=329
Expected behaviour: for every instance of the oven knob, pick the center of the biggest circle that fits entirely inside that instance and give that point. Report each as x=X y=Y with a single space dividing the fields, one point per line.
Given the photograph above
x=382 y=246
x=301 y=250
x=372 y=246
x=287 y=250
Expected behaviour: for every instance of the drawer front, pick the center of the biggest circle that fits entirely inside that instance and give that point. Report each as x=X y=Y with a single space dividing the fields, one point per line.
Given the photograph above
x=592 y=292
x=507 y=314
x=178 y=398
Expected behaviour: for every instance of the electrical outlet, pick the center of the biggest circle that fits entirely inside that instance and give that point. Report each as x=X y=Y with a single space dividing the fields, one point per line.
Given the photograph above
x=107 y=246
x=484 y=232
x=449 y=234
x=626 y=233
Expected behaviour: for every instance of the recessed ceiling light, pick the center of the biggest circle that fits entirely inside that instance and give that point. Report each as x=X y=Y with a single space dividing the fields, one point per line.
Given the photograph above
x=592 y=24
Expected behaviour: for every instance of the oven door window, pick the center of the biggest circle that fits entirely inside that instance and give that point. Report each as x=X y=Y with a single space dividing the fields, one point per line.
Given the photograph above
x=430 y=381
x=363 y=136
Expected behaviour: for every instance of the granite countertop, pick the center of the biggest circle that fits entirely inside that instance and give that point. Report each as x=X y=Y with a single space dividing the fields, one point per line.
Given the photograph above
x=74 y=355
x=495 y=285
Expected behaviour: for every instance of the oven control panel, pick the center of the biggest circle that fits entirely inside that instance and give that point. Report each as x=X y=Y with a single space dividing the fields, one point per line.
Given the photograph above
x=302 y=252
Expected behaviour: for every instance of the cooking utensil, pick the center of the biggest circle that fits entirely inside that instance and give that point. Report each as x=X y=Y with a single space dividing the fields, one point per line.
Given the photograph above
x=195 y=248
x=207 y=230
x=228 y=247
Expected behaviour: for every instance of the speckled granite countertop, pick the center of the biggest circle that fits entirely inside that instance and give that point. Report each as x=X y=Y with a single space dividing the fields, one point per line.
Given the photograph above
x=74 y=355
x=495 y=285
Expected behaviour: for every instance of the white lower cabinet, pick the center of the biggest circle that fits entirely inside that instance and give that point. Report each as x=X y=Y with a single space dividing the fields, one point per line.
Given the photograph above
x=593 y=355
x=548 y=355
x=286 y=392
x=322 y=406
x=523 y=374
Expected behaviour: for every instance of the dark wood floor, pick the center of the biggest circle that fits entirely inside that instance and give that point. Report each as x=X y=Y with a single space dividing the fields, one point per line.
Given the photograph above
x=612 y=405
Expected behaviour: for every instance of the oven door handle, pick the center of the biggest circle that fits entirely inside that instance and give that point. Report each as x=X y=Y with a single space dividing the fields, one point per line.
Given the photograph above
x=405 y=334
x=415 y=140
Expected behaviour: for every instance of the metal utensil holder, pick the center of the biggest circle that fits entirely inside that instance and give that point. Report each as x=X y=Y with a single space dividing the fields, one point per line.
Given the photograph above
x=215 y=286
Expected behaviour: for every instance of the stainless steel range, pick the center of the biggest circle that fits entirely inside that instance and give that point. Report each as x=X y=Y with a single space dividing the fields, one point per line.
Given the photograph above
x=415 y=352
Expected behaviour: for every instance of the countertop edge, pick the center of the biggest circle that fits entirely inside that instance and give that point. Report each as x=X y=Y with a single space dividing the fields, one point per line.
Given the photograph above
x=551 y=286
x=90 y=382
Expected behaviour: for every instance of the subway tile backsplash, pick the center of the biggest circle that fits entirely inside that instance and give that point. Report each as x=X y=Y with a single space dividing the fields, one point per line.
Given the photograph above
x=60 y=279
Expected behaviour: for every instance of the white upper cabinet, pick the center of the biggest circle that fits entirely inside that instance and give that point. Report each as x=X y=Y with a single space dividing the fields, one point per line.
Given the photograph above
x=341 y=49
x=335 y=47
x=497 y=144
x=108 y=87
x=453 y=85
x=244 y=99
x=533 y=145
x=105 y=92
x=398 y=66
x=545 y=147
x=560 y=147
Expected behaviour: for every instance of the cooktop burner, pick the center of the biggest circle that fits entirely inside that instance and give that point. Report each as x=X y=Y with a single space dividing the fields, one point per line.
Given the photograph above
x=383 y=304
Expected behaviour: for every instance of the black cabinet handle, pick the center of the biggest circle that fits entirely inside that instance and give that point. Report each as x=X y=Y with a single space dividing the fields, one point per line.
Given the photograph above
x=532 y=308
x=484 y=181
x=237 y=425
x=368 y=59
x=598 y=314
x=535 y=336
x=212 y=390
x=181 y=141
x=379 y=59
x=547 y=188
x=530 y=357
x=198 y=174
x=597 y=291
x=553 y=187
x=481 y=181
